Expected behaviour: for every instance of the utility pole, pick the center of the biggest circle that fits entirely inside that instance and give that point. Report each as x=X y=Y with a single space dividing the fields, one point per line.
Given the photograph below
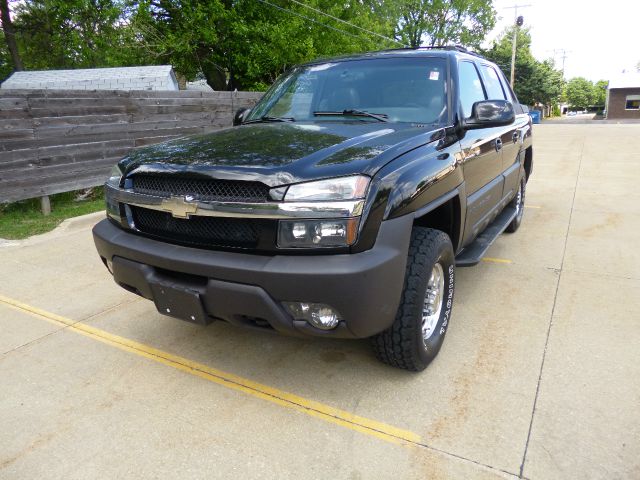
x=563 y=56
x=516 y=26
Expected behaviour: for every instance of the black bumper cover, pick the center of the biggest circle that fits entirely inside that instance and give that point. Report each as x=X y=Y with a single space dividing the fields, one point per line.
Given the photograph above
x=246 y=289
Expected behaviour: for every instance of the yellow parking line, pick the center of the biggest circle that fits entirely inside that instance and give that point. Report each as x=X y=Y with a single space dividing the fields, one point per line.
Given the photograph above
x=533 y=206
x=327 y=413
x=496 y=260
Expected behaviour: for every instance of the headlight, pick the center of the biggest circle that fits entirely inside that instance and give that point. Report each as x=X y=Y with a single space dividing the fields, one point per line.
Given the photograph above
x=342 y=188
x=115 y=176
x=340 y=232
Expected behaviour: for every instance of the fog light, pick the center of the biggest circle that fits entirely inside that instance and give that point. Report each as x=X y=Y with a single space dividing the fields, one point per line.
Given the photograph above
x=109 y=265
x=318 y=315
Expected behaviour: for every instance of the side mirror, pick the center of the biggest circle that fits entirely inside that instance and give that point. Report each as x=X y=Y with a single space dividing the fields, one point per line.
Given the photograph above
x=240 y=115
x=490 y=113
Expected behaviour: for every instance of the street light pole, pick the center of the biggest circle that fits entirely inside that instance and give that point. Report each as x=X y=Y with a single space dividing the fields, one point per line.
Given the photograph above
x=513 y=54
x=516 y=26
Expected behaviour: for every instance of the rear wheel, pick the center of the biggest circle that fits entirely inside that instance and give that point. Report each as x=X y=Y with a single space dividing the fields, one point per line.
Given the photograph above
x=518 y=204
x=418 y=331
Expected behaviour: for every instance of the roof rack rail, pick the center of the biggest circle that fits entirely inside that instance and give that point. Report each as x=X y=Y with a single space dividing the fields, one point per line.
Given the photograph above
x=458 y=48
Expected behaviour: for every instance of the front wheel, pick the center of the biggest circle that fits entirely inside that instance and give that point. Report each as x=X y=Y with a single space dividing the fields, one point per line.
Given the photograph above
x=415 y=337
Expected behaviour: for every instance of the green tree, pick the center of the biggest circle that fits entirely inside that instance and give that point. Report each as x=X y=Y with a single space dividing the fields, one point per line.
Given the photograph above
x=535 y=81
x=6 y=65
x=8 y=33
x=73 y=33
x=600 y=92
x=443 y=22
x=580 y=93
x=246 y=44
x=243 y=44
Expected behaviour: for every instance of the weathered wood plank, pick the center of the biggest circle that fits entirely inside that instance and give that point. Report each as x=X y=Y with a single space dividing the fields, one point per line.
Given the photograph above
x=75 y=111
x=13 y=114
x=124 y=128
x=74 y=102
x=80 y=120
x=33 y=174
x=16 y=134
x=177 y=115
x=43 y=177
x=43 y=161
x=15 y=124
x=86 y=180
x=61 y=150
x=12 y=103
x=103 y=93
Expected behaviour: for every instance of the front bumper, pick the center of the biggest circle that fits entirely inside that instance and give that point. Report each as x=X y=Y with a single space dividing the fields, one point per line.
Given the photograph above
x=246 y=289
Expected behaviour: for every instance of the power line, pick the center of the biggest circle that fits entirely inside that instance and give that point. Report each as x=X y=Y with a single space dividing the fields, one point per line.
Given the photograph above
x=309 y=18
x=348 y=23
x=563 y=56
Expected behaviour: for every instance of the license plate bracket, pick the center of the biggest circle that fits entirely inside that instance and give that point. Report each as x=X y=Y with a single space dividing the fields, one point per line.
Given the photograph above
x=180 y=302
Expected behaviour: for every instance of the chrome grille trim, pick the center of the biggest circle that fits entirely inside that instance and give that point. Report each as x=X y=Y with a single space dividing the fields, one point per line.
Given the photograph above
x=273 y=210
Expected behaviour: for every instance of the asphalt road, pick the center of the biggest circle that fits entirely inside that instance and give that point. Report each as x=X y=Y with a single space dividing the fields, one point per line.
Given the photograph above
x=539 y=377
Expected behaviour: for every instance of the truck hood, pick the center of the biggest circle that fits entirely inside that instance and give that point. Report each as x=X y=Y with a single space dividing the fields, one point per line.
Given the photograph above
x=283 y=153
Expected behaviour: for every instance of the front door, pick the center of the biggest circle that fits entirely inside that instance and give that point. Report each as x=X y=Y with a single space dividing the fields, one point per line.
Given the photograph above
x=481 y=157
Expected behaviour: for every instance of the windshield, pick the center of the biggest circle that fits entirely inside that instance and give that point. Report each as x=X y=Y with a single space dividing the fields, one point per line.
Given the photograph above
x=409 y=90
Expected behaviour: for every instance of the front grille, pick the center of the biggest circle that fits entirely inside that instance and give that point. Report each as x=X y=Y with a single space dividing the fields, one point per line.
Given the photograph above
x=206 y=232
x=203 y=189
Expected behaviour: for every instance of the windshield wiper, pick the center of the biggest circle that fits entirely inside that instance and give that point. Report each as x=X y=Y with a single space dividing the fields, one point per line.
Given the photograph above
x=267 y=118
x=381 y=117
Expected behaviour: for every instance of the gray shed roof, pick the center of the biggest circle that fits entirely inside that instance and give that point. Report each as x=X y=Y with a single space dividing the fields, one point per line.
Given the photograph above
x=157 y=77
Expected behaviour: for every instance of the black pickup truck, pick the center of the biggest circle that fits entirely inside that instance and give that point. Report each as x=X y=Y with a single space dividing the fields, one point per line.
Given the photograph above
x=339 y=206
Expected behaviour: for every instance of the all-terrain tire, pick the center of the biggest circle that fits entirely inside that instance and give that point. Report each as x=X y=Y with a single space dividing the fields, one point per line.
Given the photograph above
x=403 y=345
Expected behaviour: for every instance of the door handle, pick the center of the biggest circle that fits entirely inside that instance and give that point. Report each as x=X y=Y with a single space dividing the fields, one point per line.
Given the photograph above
x=498 y=144
x=515 y=136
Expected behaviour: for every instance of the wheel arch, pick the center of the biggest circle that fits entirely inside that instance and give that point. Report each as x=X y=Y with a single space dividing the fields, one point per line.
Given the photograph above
x=444 y=214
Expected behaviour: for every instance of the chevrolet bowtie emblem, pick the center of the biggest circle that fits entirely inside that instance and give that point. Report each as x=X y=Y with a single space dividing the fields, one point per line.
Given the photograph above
x=180 y=207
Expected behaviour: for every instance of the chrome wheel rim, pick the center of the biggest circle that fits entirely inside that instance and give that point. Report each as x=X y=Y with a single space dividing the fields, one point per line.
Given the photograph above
x=520 y=202
x=433 y=301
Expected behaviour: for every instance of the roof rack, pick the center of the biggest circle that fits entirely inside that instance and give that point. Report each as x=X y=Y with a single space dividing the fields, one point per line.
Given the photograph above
x=457 y=48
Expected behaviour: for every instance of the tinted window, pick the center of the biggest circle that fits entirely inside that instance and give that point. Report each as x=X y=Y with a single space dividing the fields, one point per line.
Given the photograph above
x=492 y=83
x=401 y=89
x=470 y=87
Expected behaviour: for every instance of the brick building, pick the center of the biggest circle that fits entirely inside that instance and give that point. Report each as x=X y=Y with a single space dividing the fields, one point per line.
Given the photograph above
x=157 y=77
x=623 y=97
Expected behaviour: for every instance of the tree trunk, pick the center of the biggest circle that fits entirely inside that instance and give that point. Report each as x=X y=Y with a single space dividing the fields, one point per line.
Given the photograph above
x=9 y=35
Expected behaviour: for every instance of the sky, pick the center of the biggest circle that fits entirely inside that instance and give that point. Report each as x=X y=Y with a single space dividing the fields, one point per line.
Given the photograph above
x=601 y=38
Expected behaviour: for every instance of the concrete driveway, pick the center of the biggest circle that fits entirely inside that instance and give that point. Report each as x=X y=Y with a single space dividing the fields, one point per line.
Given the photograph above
x=539 y=377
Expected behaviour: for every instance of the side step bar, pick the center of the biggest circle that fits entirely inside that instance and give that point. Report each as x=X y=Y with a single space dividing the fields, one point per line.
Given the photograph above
x=473 y=253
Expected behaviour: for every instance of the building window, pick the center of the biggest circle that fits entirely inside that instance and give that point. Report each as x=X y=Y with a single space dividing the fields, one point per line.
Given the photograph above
x=633 y=102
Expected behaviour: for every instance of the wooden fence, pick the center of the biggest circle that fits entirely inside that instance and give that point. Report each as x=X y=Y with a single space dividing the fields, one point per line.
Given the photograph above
x=54 y=141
